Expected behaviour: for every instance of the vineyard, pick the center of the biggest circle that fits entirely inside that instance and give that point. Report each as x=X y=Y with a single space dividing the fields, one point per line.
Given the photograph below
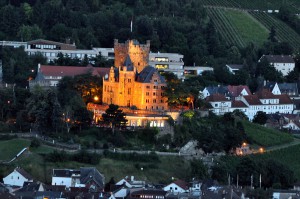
x=254 y=4
x=231 y=26
x=283 y=31
x=265 y=137
x=288 y=156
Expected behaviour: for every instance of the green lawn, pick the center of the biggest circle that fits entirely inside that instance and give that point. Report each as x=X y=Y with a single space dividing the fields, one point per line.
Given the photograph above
x=265 y=136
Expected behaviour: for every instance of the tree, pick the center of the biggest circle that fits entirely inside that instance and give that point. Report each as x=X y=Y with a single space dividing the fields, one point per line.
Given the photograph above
x=198 y=169
x=114 y=117
x=260 y=118
x=272 y=35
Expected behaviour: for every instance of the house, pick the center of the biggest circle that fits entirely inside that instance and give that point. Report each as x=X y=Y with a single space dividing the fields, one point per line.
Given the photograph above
x=131 y=183
x=236 y=91
x=283 y=194
x=291 y=89
x=147 y=193
x=292 y=126
x=178 y=186
x=17 y=177
x=220 y=104
x=49 y=76
x=282 y=63
x=66 y=177
x=233 y=68
x=88 y=177
x=264 y=100
x=210 y=90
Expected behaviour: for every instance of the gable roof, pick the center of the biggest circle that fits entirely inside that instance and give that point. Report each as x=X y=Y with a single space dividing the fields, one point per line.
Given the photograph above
x=24 y=173
x=216 y=98
x=182 y=184
x=235 y=66
x=279 y=58
x=235 y=91
x=217 y=89
x=252 y=100
x=238 y=104
x=91 y=173
x=48 y=70
x=266 y=94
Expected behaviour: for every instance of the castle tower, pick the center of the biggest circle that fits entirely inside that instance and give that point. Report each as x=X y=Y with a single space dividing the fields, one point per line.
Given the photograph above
x=138 y=53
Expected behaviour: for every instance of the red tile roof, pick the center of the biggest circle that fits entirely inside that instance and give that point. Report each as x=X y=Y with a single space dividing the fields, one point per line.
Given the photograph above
x=48 y=70
x=252 y=100
x=266 y=94
x=238 y=104
x=182 y=184
x=236 y=90
x=216 y=98
x=284 y=99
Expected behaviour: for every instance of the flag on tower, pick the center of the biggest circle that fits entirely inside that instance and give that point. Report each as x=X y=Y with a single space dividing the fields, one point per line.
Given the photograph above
x=131 y=25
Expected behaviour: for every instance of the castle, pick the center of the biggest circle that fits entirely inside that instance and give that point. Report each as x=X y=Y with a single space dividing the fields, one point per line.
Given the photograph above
x=132 y=82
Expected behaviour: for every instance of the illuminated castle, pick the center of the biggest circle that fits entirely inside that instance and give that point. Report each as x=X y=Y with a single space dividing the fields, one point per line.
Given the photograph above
x=132 y=82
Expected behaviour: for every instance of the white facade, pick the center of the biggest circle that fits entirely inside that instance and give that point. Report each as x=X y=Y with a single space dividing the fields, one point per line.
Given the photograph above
x=221 y=107
x=15 y=179
x=168 y=62
x=284 y=68
x=269 y=106
x=197 y=70
x=174 y=188
x=67 y=181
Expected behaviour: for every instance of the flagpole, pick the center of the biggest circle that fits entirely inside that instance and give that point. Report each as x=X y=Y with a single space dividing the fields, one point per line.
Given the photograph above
x=237 y=180
x=251 y=181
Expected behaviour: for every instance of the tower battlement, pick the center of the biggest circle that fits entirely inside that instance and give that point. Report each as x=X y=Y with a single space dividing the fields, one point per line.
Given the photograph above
x=139 y=53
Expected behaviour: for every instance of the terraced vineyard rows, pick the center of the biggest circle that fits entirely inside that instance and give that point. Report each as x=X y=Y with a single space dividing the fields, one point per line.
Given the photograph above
x=225 y=28
x=283 y=31
x=254 y=4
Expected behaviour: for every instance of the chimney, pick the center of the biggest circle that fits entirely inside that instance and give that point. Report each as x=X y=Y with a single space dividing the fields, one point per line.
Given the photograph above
x=132 y=178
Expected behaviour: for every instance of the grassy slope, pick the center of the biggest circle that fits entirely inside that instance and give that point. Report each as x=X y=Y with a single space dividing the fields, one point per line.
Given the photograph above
x=34 y=163
x=248 y=27
x=288 y=156
x=264 y=136
x=10 y=148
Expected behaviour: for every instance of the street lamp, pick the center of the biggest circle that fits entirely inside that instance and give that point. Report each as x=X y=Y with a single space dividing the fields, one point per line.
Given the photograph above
x=96 y=98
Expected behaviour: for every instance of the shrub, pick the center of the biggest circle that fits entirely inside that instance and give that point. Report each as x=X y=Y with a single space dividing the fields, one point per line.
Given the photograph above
x=35 y=143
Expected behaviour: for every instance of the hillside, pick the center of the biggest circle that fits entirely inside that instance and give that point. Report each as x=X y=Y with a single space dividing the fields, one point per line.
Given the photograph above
x=264 y=5
x=230 y=23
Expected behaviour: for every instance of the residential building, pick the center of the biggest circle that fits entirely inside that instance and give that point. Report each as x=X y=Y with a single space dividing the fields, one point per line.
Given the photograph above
x=17 y=177
x=178 y=186
x=264 y=100
x=87 y=177
x=168 y=62
x=49 y=76
x=230 y=92
x=291 y=89
x=233 y=68
x=147 y=194
x=282 y=63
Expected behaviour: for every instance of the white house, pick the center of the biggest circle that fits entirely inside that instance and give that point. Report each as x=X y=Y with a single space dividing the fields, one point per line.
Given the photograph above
x=263 y=100
x=178 y=186
x=233 y=68
x=67 y=177
x=197 y=70
x=17 y=178
x=282 y=63
x=131 y=183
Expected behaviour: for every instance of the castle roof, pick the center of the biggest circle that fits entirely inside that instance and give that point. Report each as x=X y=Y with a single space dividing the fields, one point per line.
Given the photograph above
x=146 y=74
x=128 y=63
